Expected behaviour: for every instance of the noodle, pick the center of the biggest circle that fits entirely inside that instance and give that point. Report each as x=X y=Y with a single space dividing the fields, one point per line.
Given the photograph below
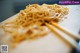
x=35 y=15
x=35 y=11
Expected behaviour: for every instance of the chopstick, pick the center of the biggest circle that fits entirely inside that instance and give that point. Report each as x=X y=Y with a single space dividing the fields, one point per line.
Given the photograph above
x=65 y=31
x=68 y=39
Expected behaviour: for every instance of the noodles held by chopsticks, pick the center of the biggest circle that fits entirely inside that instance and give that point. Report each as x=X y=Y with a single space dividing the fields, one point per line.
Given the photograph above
x=34 y=12
x=35 y=15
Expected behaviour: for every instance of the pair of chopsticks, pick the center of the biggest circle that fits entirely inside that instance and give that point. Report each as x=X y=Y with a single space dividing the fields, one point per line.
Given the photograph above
x=69 y=37
x=65 y=31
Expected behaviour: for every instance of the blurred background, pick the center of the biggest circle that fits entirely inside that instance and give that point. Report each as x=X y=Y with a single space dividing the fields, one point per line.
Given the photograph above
x=11 y=7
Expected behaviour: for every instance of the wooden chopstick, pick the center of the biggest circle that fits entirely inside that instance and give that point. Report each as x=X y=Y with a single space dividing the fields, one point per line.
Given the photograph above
x=68 y=39
x=65 y=31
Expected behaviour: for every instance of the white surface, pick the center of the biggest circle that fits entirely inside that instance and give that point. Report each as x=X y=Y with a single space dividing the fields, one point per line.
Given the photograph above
x=72 y=22
x=48 y=44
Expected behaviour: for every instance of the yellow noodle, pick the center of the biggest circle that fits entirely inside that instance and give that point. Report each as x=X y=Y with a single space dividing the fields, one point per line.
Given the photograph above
x=36 y=15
